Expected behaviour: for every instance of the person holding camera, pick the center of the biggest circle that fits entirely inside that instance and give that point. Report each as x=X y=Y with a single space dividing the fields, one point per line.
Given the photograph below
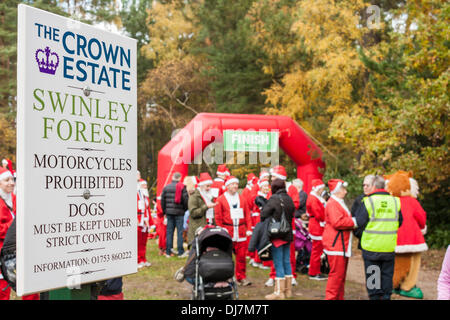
x=279 y=204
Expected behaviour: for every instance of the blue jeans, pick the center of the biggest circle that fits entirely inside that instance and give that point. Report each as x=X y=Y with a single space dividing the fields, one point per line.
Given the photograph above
x=172 y=223
x=281 y=260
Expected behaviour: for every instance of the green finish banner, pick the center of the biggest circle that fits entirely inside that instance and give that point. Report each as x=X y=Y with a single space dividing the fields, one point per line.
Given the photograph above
x=252 y=141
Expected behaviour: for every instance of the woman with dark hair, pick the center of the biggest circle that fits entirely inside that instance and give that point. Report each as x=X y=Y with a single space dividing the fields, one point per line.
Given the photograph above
x=280 y=203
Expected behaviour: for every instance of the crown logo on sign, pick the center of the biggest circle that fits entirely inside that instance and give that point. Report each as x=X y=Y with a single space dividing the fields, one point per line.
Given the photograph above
x=47 y=61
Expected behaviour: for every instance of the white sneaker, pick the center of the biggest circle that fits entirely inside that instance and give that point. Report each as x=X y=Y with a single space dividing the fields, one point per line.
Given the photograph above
x=147 y=264
x=256 y=265
x=294 y=282
x=269 y=283
x=261 y=266
x=140 y=265
x=251 y=261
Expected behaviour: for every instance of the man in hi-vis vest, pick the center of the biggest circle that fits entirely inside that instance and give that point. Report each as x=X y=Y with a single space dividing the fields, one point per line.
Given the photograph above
x=378 y=220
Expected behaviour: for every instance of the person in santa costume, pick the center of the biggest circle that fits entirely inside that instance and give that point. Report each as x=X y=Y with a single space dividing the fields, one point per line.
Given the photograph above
x=218 y=185
x=261 y=199
x=145 y=223
x=315 y=208
x=337 y=239
x=7 y=216
x=200 y=206
x=233 y=214
x=246 y=194
x=279 y=172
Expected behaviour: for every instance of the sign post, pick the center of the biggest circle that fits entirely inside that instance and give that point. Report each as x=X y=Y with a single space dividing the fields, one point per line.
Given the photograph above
x=76 y=154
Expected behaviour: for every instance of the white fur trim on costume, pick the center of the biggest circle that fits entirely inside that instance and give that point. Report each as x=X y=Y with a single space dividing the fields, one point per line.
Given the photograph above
x=322 y=200
x=205 y=182
x=263 y=183
x=315 y=237
x=6 y=175
x=411 y=248
x=226 y=173
x=338 y=186
x=318 y=187
x=279 y=176
x=230 y=181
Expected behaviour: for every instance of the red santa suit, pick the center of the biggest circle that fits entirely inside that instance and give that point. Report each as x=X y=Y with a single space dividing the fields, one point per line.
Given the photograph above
x=7 y=215
x=144 y=222
x=161 y=228
x=218 y=185
x=410 y=233
x=237 y=222
x=246 y=194
x=337 y=244
x=315 y=208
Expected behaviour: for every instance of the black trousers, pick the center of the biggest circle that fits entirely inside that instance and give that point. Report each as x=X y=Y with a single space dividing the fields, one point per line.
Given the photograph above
x=379 y=275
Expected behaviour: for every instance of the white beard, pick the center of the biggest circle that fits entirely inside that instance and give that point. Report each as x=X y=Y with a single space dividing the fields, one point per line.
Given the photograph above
x=145 y=192
x=7 y=197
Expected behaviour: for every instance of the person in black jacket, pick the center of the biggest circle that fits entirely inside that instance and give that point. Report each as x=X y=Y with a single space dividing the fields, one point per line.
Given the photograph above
x=298 y=183
x=281 y=246
x=174 y=203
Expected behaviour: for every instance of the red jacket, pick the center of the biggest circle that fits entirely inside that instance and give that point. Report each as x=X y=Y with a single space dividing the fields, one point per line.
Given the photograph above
x=410 y=234
x=222 y=217
x=315 y=207
x=219 y=185
x=337 y=219
x=6 y=218
x=295 y=195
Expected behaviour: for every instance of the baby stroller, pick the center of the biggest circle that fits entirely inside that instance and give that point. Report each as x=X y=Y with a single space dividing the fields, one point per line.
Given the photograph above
x=303 y=245
x=214 y=267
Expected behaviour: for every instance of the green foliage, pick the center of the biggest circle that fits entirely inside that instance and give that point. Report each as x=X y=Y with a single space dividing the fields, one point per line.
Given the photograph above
x=134 y=15
x=232 y=60
x=437 y=205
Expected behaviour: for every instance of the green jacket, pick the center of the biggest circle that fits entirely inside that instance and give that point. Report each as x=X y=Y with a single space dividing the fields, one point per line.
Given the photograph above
x=197 y=214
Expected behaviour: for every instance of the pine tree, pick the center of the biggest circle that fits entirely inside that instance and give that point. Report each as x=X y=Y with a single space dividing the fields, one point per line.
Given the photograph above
x=232 y=59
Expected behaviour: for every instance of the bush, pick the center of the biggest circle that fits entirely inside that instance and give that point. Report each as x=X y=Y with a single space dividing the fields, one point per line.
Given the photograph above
x=438 y=220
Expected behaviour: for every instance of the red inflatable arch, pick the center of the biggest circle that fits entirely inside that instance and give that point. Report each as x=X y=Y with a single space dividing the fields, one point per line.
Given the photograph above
x=206 y=128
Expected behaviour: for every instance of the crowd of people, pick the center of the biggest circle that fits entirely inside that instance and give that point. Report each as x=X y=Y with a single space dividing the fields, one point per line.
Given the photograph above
x=378 y=218
x=277 y=226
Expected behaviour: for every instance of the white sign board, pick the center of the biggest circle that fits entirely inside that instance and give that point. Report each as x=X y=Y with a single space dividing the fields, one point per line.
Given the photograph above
x=76 y=153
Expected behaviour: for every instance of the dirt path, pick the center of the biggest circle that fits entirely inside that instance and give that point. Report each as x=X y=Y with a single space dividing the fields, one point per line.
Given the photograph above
x=157 y=281
x=427 y=276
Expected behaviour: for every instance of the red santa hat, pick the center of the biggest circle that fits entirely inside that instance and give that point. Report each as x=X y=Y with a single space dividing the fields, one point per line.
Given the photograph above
x=230 y=180
x=250 y=178
x=317 y=184
x=263 y=182
x=142 y=181
x=336 y=184
x=279 y=172
x=5 y=174
x=205 y=179
x=222 y=169
x=263 y=174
